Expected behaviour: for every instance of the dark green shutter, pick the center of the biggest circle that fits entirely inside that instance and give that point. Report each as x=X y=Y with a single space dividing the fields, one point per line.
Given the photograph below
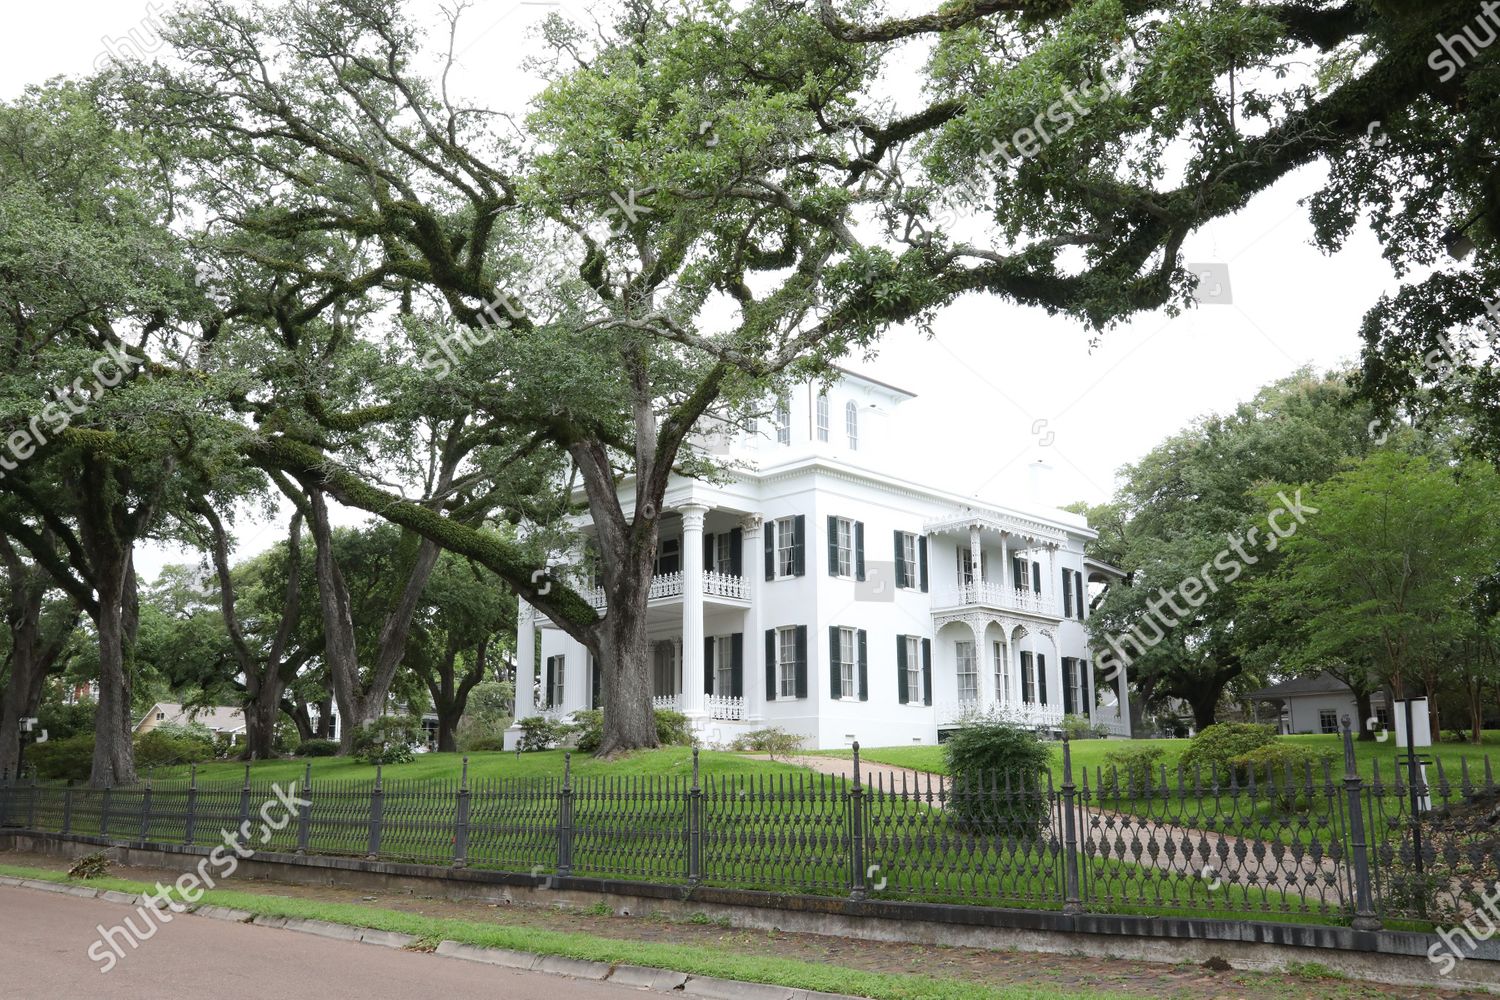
x=708 y=551
x=1067 y=680
x=1086 y=686
x=770 y=543
x=1026 y=676
x=708 y=664
x=863 y=665
x=1078 y=594
x=900 y=561
x=737 y=664
x=834 y=687
x=1015 y=571
x=902 y=694
x=859 y=550
x=799 y=543
x=1036 y=577
x=770 y=664
x=833 y=546
x=736 y=552
x=922 y=562
x=547 y=700
x=801 y=661
x=1041 y=678
x=927 y=671
x=1067 y=589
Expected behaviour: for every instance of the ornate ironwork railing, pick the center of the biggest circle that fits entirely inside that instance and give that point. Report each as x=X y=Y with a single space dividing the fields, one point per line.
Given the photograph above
x=1319 y=840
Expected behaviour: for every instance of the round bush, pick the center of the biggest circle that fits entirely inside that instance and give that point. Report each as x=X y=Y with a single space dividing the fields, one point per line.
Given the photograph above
x=316 y=748
x=1210 y=755
x=69 y=759
x=387 y=740
x=999 y=779
x=167 y=745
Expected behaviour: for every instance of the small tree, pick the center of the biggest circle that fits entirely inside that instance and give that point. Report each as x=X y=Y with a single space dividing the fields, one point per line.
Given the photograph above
x=999 y=778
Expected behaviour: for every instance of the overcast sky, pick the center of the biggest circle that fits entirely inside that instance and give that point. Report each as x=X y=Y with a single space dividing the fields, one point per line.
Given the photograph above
x=997 y=382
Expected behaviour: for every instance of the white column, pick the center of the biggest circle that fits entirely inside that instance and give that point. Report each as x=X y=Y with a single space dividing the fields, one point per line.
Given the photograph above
x=1005 y=583
x=753 y=561
x=525 y=670
x=694 y=701
x=984 y=660
x=1051 y=585
x=977 y=570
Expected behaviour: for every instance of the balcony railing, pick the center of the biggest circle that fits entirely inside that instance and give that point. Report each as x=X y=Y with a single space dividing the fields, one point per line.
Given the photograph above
x=995 y=595
x=726 y=707
x=671 y=702
x=666 y=585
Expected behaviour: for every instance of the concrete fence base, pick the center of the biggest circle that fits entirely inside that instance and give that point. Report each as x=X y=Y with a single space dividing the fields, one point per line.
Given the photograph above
x=1386 y=956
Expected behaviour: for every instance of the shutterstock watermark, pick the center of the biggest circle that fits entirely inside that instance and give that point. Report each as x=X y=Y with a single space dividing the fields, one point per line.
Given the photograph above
x=1225 y=568
x=1468 y=933
x=442 y=359
x=140 y=42
x=1446 y=58
x=158 y=907
x=68 y=403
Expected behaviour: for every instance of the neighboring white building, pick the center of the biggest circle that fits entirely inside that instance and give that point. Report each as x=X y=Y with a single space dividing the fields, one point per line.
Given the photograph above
x=219 y=720
x=1316 y=704
x=817 y=591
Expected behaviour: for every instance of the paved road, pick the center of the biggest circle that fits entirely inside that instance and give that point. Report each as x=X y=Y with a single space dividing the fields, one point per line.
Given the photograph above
x=45 y=939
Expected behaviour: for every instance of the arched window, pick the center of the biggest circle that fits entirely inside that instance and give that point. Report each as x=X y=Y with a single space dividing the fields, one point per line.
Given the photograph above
x=783 y=420
x=851 y=421
x=823 y=416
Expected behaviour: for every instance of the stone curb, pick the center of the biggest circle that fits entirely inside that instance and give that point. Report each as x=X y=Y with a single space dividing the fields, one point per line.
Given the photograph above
x=641 y=977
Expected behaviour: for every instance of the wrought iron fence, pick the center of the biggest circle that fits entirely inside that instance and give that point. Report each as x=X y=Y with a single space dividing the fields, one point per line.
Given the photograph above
x=1311 y=842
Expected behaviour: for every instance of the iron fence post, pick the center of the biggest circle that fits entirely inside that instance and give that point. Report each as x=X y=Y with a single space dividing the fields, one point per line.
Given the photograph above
x=377 y=810
x=1365 y=918
x=695 y=827
x=461 y=820
x=145 y=829
x=565 y=820
x=6 y=785
x=1072 y=900
x=31 y=803
x=304 y=810
x=190 y=827
x=242 y=832
x=104 y=811
x=857 y=887
x=67 y=823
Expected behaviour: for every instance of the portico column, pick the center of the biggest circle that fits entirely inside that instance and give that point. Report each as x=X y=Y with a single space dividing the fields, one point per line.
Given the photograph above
x=694 y=701
x=525 y=664
x=977 y=569
x=1005 y=584
x=755 y=651
x=984 y=661
x=1052 y=584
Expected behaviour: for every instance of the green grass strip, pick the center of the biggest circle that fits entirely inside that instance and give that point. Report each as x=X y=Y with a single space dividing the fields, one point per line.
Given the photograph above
x=692 y=959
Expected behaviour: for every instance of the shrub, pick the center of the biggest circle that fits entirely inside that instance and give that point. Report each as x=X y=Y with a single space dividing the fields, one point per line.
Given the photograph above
x=1078 y=727
x=1134 y=769
x=1210 y=753
x=1282 y=766
x=387 y=740
x=997 y=769
x=63 y=721
x=672 y=729
x=541 y=733
x=488 y=741
x=316 y=748
x=588 y=730
x=773 y=741
x=68 y=759
x=170 y=744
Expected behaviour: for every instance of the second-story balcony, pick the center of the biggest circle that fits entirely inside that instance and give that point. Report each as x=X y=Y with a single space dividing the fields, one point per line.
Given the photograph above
x=670 y=586
x=988 y=594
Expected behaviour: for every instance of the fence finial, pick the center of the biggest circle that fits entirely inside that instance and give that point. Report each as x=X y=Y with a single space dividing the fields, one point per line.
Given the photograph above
x=567 y=768
x=695 y=767
x=1351 y=769
x=307 y=776
x=856 y=763
x=192 y=775
x=247 y=775
x=463 y=781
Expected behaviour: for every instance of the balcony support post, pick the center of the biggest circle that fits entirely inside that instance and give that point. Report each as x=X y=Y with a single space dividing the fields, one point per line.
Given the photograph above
x=694 y=700
x=755 y=650
x=525 y=669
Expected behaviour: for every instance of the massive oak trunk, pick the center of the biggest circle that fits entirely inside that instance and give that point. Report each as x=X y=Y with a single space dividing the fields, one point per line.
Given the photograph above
x=32 y=653
x=115 y=621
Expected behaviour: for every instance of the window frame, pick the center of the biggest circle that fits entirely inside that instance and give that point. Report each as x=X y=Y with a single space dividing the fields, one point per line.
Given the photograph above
x=823 y=420
x=844 y=541
x=848 y=667
x=657 y=666
x=1328 y=720
x=914 y=693
x=912 y=573
x=785 y=547
x=723 y=553
x=1002 y=673
x=723 y=666
x=786 y=662
x=960 y=661
x=783 y=420
x=851 y=424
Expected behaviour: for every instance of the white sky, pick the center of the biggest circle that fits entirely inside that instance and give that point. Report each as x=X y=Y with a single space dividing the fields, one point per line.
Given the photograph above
x=994 y=370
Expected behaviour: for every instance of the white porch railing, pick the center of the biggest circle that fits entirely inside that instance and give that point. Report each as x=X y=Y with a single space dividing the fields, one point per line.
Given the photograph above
x=995 y=595
x=664 y=585
x=726 y=707
x=1025 y=714
x=672 y=702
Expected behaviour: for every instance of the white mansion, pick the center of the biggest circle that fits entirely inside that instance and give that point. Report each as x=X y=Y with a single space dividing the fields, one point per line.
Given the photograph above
x=814 y=593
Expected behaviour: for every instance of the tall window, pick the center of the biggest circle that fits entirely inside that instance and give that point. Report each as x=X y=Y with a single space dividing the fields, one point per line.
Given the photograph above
x=968 y=671
x=1002 y=673
x=555 y=671
x=846 y=663
x=668 y=556
x=1075 y=681
x=913 y=669
x=909 y=569
x=966 y=574
x=851 y=422
x=1028 y=686
x=723 y=556
x=823 y=416
x=786 y=546
x=1328 y=720
x=664 y=669
x=723 y=666
x=1023 y=574
x=786 y=663
x=783 y=420
x=844 y=541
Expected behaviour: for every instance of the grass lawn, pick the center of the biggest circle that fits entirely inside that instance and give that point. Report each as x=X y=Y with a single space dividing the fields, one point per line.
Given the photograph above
x=697 y=959
x=667 y=762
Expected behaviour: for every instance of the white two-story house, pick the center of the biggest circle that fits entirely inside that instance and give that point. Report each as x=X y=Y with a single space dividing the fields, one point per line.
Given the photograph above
x=815 y=592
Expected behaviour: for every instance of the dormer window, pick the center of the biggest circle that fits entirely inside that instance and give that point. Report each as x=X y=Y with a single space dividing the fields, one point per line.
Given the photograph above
x=851 y=421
